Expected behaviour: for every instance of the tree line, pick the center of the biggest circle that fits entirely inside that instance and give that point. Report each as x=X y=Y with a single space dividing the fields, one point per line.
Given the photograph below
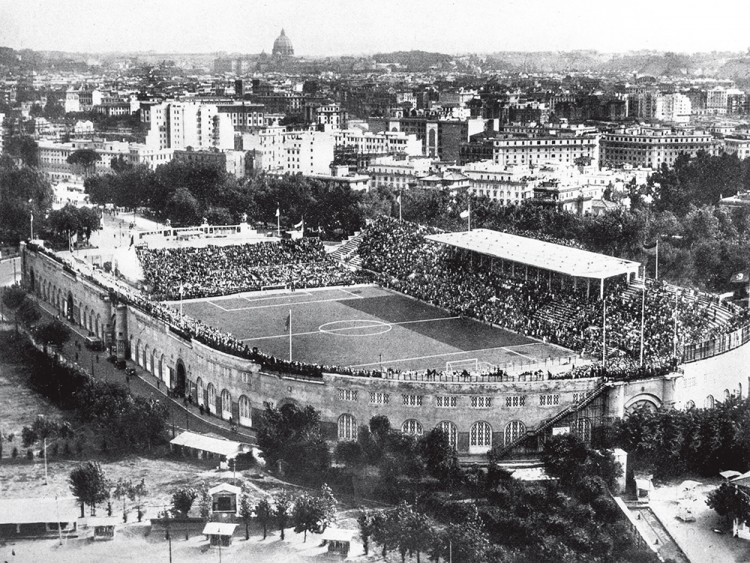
x=442 y=509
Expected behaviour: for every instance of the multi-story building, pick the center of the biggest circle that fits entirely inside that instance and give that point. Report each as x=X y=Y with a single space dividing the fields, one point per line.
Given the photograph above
x=233 y=162
x=440 y=138
x=244 y=116
x=326 y=117
x=308 y=152
x=545 y=145
x=53 y=156
x=384 y=143
x=739 y=145
x=673 y=107
x=199 y=126
x=507 y=185
x=652 y=147
x=398 y=173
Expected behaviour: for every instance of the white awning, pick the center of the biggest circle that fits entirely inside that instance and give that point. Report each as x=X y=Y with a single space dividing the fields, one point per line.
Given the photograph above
x=538 y=254
x=219 y=529
x=218 y=446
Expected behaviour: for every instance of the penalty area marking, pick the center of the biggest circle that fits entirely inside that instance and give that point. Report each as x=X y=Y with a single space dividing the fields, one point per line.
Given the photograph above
x=417 y=358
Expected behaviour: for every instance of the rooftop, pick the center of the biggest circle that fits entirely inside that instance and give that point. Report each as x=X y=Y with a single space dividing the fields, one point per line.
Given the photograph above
x=537 y=253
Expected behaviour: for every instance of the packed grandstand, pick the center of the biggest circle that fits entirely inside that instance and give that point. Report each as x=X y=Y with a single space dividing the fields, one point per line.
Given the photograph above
x=399 y=256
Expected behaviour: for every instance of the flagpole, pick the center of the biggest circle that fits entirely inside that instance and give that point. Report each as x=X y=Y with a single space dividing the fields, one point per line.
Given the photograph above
x=278 y=222
x=399 y=208
x=656 y=273
x=290 y=335
x=470 y=212
x=643 y=318
x=604 y=334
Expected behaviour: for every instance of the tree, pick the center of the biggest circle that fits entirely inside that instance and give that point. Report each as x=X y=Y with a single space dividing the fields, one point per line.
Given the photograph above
x=283 y=510
x=24 y=148
x=54 y=332
x=23 y=192
x=366 y=522
x=85 y=159
x=293 y=436
x=731 y=502
x=124 y=490
x=264 y=513
x=246 y=512
x=182 y=500
x=89 y=485
x=140 y=491
x=205 y=501
x=13 y=298
x=439 y=456
x=313 y=513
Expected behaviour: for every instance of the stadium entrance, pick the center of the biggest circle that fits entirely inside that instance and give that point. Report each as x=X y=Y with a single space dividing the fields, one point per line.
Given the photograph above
x=178 y=385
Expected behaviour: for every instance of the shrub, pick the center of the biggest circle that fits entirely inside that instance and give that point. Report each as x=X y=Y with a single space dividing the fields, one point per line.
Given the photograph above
x=29 y=454
x=14 y=453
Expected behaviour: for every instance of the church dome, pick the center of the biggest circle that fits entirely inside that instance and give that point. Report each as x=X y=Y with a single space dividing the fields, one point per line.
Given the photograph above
x=283 y=46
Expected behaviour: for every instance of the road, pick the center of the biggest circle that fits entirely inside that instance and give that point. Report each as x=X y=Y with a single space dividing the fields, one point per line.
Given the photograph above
x=10 y=270
x=182 y=416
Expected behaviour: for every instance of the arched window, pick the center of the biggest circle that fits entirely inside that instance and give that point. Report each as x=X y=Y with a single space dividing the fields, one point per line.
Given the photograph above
x=412 y=426
x=450 y=431
x=347 y=427
x=582 y=428
x=513 y=430
x=211 y=392
x=198 y=388
x=146 y=354
x=137 y=355
x=154 y=354
x=245 y=416
x=709 y=402
x=226 y=405
x=480 y=437
x=689 y=405
x=163 y=372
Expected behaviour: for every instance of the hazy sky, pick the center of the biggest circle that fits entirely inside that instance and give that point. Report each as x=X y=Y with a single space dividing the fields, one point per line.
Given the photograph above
x=335 y=27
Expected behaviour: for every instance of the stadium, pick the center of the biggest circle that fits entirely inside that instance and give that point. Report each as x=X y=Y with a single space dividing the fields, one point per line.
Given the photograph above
x=499 y=340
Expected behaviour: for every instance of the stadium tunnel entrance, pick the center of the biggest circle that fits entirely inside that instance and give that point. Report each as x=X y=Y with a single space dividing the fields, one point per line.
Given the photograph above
x=179 y=380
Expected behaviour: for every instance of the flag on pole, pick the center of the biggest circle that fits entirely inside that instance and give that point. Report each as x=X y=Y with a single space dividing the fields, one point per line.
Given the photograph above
x=288 y=321
x=300 y=225
x=398 y=199
x=650 y=248
x=464 y=214
x=278 y=212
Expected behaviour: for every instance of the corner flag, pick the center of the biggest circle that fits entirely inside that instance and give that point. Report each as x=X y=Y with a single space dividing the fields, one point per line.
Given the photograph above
x=288 y=321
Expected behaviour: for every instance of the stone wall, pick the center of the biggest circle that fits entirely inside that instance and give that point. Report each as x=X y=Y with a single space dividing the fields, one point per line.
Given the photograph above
x=477 y=416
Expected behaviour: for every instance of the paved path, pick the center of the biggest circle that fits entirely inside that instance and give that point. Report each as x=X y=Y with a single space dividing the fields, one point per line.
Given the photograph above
x=182 y=416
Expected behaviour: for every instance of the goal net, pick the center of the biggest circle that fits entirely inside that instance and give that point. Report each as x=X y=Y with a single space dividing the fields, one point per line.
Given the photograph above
x=472 y=366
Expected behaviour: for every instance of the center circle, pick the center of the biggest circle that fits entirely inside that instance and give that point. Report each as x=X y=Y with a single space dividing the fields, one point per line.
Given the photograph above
x=355 y=327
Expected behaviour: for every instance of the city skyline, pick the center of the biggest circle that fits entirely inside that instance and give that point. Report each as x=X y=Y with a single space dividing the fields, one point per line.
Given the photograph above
x=473 y=26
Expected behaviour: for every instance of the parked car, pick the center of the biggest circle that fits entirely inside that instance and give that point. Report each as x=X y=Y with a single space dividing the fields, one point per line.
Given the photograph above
x=120 y=364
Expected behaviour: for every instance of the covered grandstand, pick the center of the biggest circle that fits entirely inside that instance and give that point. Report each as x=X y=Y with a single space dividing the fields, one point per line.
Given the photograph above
x=561 y=263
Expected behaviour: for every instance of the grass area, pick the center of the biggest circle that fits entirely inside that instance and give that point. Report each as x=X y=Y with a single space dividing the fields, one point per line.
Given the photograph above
x=364 y=327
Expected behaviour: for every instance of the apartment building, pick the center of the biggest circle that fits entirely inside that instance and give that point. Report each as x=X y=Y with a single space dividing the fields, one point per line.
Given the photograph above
x=398 y=173
x=652 y=146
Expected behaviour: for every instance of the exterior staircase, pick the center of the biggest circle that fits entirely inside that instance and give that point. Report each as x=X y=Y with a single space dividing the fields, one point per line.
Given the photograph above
x=593 y=394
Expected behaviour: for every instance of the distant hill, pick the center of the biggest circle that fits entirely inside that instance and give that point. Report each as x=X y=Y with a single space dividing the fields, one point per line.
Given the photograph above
x=414 y=60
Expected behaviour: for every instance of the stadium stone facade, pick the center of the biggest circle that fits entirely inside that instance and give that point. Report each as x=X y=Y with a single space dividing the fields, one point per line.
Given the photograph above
x=476 y=415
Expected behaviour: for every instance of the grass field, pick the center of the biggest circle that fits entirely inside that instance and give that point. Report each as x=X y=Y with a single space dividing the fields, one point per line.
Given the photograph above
x=365 y=327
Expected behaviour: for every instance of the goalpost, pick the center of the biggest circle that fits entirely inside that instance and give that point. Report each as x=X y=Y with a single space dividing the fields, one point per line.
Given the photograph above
x=472 y=366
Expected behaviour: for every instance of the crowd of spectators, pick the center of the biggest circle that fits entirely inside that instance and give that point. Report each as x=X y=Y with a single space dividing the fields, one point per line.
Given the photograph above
x=193 y=272
x=454 y=280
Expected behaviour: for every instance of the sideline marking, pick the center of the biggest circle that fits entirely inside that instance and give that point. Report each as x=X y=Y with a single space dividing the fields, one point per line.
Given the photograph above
x=275 y=296
x=518 y=353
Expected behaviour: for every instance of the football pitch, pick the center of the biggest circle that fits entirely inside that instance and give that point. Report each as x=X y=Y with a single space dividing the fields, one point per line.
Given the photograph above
x=363 y=327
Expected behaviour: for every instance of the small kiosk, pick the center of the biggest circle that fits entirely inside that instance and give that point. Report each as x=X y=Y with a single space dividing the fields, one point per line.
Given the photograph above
x=102 y=528
x=339 y=540
x=219 y=534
